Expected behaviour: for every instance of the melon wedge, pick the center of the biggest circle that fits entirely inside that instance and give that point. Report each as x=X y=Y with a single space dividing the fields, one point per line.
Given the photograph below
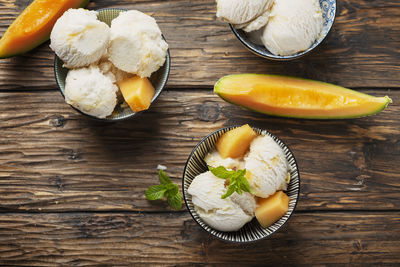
x=271 y=209
x=298 y=98
x=137 y=92
x=236 y=142
x=33 y=26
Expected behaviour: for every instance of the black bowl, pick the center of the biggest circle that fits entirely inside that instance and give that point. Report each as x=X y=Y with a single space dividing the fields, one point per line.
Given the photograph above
x=252 y=231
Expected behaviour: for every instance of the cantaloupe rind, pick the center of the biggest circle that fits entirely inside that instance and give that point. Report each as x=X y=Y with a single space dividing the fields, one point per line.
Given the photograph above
x=275 y=94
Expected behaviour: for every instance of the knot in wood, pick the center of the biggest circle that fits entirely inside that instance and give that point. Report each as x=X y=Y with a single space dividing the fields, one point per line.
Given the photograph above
x=58 y=121
x=208 y=111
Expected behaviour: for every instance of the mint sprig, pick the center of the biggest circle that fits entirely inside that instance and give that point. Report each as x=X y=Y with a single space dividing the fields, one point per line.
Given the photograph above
x=237 y=180
x=165 y=189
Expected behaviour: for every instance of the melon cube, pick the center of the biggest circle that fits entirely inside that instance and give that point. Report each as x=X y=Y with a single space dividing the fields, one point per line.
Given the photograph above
x=137 y=92
x=271 y=209
x=236 y=142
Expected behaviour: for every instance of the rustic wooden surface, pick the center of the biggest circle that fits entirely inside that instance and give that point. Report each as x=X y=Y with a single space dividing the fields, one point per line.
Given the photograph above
x=72 y=189
x=362 y=49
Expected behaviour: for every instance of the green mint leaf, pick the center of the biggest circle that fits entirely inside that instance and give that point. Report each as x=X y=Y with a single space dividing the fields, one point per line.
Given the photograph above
x=155 y=192
x=239 y=190
x=163 y=177
x=165 y=189
x=175 y=201
x=172 y=189
x=237 y=180
x=230 y=191
x=221 y=172
x=233 y=182
x=245 y=186
x=241 y=173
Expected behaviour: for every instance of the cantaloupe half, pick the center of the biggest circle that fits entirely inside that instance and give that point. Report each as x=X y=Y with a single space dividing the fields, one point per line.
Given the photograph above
x=297 y=98
x=33 y=26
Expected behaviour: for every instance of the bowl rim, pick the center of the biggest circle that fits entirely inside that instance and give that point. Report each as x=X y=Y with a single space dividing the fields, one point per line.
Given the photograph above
x=290 y=57
x=186 y=201
x=167 y=64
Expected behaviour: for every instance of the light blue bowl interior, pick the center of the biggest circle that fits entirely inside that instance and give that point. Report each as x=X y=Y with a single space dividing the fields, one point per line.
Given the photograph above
x=328 y=14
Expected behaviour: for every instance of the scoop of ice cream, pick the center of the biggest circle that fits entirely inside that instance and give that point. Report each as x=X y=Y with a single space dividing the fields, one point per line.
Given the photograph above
x=108 y=68
x=255 y=24
x=91 y=91
x=229 y=214
x=115 y=74
x=136 y=44
x=79 y=38
x=214 y=160
x=266 y=167
x=241 y=11
x=293 y=26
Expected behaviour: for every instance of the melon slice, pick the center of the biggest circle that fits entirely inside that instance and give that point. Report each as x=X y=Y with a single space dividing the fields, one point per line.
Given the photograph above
x=236 y=142
x=137 y=92
x=33 y=26
x=271 y=209
x=297 y=98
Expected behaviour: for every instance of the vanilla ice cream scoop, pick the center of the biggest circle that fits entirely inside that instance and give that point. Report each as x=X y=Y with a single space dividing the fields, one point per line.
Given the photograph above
x=214 y=159
x=293 y=26
x=241 y=11
x=78 y=38
x=255 y=24
x=136 y=44
x=227 y=215
x=266 y=166
x=91 y=91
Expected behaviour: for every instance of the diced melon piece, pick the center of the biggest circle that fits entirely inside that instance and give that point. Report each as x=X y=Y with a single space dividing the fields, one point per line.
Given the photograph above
x=137 y=92
x=271 y=209
x=235 y=143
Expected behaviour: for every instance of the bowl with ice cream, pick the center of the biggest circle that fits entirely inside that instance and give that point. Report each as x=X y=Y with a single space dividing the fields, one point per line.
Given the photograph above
x=110 y=64
x=279 y=29
x=241 y=184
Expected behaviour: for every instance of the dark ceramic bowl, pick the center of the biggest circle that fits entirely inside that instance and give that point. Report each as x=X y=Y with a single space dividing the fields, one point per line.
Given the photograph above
x=328 y=15
x=252 y=231
x=158 y=78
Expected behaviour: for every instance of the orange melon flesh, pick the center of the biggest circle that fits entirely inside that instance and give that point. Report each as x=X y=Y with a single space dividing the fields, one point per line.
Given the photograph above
x=33 y=26
x=271 y=209
x=295 y=97
x=137 y=92
x=236 y=142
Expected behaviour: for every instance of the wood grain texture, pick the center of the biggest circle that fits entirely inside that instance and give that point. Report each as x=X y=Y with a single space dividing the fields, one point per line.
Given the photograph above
x=88 y=239
x=363 y=48
x=54 y=159
x=72 y=189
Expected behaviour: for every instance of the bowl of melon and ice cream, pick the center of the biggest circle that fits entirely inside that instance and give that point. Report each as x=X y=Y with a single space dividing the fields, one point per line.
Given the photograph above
x=279 y=29
x=110 y=64
x=252 y=212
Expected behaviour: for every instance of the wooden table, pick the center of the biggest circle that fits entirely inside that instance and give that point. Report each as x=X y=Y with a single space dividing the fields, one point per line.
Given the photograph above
x=72 y=189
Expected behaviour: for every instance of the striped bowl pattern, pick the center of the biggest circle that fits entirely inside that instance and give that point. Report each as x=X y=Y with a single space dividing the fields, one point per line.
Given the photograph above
x=158 y=79
x=328 y=15
x=252 y=231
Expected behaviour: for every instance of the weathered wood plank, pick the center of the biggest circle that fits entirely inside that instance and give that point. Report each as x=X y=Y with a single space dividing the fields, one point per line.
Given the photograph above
x=362 y=49
x=54 y=159
x=88 y=239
